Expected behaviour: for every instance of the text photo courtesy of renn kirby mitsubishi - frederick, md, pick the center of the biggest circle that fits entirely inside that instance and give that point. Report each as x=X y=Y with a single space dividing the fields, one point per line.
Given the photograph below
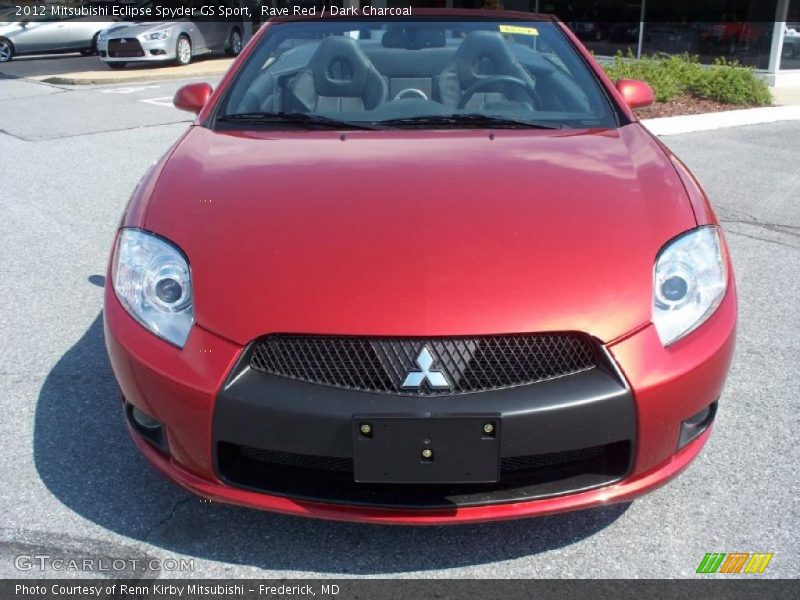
x=399 y=299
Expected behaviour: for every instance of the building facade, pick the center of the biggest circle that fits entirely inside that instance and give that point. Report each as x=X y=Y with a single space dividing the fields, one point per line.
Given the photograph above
x=764 y=34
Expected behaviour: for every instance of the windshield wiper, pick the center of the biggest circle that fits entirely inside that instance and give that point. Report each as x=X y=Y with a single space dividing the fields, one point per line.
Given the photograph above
x=475 y=120
x=304 y=120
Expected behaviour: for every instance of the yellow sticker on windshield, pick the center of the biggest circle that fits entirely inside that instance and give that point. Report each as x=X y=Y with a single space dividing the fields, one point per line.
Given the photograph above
x=518 y=30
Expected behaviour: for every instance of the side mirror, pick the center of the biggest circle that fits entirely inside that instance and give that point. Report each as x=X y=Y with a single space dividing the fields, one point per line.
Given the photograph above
x=637 y=94
x=193 y=97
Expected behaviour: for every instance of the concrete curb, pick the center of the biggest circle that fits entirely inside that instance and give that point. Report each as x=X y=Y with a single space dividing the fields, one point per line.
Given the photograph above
x=195 y=71
x=721 y=120
x=67 y=80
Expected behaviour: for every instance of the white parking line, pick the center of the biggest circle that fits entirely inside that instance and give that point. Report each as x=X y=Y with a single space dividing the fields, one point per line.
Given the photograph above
x=128 y=90
x=161 y=101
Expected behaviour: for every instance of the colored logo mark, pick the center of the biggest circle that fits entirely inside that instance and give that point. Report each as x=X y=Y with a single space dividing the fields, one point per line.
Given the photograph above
x=734 y=562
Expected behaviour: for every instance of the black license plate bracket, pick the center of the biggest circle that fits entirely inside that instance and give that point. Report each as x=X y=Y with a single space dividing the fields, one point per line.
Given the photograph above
x=437 y=449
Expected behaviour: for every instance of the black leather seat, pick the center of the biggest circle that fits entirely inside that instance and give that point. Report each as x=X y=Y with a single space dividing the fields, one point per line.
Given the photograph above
x=339 y=77
x=482 y=54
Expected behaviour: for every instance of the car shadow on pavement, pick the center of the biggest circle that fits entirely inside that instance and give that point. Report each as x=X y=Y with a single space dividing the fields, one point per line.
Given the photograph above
x=84 y=456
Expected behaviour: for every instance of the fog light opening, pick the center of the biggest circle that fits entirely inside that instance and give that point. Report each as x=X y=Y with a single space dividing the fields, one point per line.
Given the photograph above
x=147 y=427
x=692 y=427
x=143 y=419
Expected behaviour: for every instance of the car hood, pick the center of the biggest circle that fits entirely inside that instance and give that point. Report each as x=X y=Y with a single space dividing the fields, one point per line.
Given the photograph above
x=137 y=28
x=420 y=233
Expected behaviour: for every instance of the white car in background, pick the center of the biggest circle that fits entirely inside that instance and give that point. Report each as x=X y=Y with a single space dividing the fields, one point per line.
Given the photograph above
x=50 y=34
x=176 y=41
x=167 y=42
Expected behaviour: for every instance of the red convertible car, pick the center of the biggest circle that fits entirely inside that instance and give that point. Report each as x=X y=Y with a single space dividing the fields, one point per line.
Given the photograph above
x=419 y=270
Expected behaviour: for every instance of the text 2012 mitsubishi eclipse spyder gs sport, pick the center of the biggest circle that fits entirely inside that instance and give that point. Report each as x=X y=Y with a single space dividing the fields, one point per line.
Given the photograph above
x=423 y=270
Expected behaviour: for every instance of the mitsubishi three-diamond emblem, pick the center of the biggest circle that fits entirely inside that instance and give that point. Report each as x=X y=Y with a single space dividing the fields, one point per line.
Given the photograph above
x=435 y=378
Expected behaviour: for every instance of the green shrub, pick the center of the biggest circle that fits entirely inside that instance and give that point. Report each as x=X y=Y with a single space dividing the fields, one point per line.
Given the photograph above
x=731 y=83
x=674 y=75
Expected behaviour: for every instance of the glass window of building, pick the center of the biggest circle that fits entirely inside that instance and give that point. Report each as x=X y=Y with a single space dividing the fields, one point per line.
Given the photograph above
x=790 y=53
x=604 y=27
x=739 y=30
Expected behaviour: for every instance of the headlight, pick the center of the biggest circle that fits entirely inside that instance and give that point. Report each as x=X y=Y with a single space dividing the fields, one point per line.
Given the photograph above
x=101 y=37
x=691 y=276
x=158 y=35
x=153 y=282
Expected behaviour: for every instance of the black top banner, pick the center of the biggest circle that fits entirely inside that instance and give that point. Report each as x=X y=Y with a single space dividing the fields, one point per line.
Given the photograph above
x=257 y=11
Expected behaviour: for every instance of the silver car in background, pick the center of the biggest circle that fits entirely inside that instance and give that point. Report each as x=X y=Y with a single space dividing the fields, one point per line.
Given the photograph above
x=50 y=34
x=169 y=42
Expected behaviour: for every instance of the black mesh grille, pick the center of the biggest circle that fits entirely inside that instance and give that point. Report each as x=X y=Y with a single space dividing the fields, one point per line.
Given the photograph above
x=299 y=461
x=330 y=479
x=125 y=48
x=544 y=461
x=337 y=464
x=383 y=364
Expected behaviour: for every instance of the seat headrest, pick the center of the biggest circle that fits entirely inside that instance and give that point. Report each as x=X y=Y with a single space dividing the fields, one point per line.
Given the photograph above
x=339 y=67
x=482 y=54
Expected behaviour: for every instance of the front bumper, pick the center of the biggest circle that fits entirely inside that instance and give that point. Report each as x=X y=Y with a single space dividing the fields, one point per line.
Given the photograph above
x=190 y=392
x=137 y=49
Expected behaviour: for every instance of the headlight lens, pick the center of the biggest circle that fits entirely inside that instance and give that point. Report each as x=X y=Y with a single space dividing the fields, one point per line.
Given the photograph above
x=158 y=35
x=153 y=282
x=691 y=276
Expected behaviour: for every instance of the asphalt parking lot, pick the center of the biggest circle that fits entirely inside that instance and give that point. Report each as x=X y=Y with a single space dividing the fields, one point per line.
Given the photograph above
x=74 y=486
x=72 y=68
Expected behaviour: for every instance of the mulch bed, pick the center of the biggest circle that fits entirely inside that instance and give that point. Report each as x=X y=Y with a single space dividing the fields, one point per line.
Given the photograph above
x=683 y=105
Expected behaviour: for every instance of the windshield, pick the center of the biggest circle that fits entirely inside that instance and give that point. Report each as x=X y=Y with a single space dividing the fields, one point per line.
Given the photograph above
x=423 y=73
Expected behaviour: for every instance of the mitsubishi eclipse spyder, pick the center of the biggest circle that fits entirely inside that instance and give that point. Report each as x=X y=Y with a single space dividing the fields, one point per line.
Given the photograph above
x=419 y=270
